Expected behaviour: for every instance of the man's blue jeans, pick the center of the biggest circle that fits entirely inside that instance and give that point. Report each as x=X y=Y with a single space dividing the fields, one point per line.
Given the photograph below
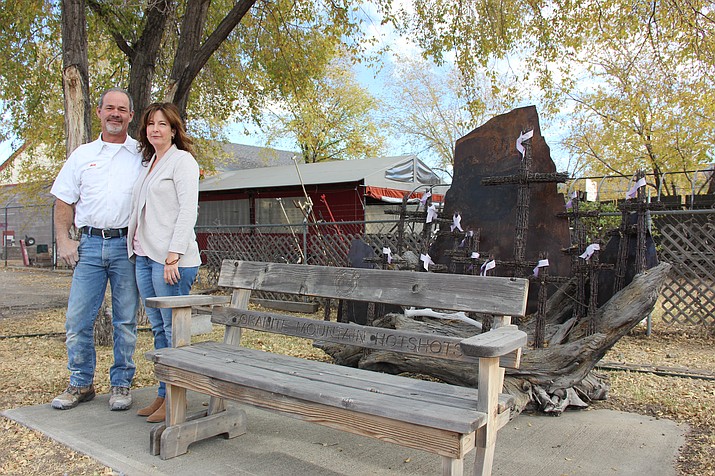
x=100 y=261
x=150 y=280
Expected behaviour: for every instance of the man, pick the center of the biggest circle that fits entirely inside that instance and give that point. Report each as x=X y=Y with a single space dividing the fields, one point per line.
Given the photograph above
x=94 y=190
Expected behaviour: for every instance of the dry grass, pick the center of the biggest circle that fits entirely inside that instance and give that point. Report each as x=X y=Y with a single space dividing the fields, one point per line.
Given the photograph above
x=33 y=371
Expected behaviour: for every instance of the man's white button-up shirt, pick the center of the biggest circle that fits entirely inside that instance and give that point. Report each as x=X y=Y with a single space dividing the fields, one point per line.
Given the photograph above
x=98 y=178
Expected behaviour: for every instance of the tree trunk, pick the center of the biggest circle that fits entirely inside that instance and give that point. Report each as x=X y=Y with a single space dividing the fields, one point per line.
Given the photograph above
x=191 y=54
x=551 y=378
x=103 y=330
x=75 y=75
x=143 y=58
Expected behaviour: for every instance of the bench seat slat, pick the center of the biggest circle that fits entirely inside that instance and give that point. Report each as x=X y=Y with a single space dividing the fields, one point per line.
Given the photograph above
x=316 y=382
x=455 y=395
x=497 y=295
x=446 y=443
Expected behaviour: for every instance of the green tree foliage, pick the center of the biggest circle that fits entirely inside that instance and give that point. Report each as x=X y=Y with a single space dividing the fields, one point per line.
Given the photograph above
x=649 y=100
x=329 y=118
x=30 y=84
x=217 y=63
x=648 y=66
x=633 y=80
x=477 y=33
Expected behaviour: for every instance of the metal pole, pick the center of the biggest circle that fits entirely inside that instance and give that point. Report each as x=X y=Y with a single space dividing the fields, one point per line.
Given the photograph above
x=295 y=238
x=305 y=241
x=5 y=238
x=52 y=232
x=308 y=200
x=692 y=190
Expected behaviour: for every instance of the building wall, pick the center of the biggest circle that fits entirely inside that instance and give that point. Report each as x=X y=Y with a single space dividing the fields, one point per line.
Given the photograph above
x=342 y=202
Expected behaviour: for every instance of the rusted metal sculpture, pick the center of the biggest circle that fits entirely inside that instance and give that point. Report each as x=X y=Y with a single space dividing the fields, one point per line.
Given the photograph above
x=523 y=179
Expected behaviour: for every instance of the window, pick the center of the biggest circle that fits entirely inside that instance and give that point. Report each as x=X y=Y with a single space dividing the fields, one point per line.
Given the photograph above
x=223 y=213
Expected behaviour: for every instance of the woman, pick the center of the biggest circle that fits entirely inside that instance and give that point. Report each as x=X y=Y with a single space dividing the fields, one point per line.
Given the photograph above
x=161 y=228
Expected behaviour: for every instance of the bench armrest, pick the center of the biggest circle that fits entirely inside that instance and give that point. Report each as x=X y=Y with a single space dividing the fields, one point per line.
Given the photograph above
x=495 y=343
x=183 y=326
x=187 y=301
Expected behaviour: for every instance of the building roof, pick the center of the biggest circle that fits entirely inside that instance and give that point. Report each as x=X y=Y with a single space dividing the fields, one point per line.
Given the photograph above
x=242 y=156
x=405 y=172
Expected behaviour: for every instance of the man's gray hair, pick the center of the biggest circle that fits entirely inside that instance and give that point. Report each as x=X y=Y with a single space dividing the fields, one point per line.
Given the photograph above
x=131 y=101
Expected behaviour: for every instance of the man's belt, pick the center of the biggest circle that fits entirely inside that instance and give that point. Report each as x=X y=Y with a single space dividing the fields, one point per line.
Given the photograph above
x=105 y=233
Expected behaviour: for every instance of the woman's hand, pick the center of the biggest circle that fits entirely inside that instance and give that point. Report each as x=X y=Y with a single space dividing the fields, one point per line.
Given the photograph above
x=171 y=269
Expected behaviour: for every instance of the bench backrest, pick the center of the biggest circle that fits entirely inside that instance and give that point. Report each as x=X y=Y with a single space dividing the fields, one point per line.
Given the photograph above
x=481 y=294
x=491 y=295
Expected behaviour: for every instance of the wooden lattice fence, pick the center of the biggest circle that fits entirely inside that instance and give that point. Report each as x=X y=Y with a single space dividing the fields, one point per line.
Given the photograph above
x=687 y=241
x=322 y=244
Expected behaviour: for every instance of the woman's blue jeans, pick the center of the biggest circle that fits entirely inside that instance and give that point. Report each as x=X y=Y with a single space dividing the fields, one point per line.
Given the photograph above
x=150 y=280
x=101 y=260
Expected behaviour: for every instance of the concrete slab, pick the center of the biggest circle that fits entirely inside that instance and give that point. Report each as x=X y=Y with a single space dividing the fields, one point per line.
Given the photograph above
x=578 y=443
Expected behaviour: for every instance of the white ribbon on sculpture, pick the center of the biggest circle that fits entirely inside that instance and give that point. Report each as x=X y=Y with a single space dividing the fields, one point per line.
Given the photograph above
x=426 y=260
x=469 y=234
x=589 y=251
x=542 y=264
x=456 y=222
x=634 y=190
x=524 y=136
x=491 y=264
x=475 y=255
x=424 y=198
x=461 y=316
x=569 y=204
x=387 y=251
x=431 y=213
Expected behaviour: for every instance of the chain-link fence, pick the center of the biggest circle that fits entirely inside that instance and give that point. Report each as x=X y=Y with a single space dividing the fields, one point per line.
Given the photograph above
x=27 y=235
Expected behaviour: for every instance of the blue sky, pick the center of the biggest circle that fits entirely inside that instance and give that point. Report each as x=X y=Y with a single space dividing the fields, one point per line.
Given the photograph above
x=5 y=150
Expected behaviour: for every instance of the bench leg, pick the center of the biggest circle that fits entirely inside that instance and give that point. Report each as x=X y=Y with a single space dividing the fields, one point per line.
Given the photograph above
x=452 y=466
x=175 y=405
x=216 y=405
x=158 y=429
x=484 y=457
x=491 y=378
x=175 y=440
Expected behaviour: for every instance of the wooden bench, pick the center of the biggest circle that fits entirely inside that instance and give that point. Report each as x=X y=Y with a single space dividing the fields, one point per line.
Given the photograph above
x=444 y=419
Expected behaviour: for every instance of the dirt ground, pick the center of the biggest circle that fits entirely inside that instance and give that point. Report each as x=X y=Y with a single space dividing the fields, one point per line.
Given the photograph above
x=32 y=290
x=33 y=371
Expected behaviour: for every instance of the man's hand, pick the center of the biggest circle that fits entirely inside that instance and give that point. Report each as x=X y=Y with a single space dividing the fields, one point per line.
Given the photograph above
x=66 y=246
x=67 y=251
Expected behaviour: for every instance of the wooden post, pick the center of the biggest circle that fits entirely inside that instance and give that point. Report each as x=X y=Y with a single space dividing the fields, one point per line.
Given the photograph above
x=181 y=326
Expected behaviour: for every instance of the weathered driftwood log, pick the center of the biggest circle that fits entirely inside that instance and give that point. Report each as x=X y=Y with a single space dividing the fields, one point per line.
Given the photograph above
x=551 y=378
